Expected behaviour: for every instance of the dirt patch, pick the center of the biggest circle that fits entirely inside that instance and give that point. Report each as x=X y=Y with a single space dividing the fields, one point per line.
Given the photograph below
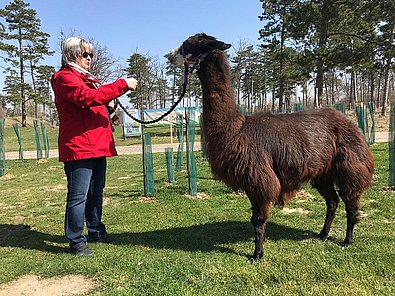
x=7 y=177
x=288 y=211
x=144 y=199
x=303 y=195
x=199 y=196
x=31 y=285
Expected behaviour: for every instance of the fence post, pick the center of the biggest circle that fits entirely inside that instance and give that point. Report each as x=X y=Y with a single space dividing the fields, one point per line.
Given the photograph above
x=45 y=139
x=169 y=164
x=19 y=137
x=2 y=148
x=372 y=131
x=38 y=144
x=391 y=144
x=180 y=136
x=298 y=107
x=191 y=160
x=149 y=166
x=202 y=142
x=340 y=107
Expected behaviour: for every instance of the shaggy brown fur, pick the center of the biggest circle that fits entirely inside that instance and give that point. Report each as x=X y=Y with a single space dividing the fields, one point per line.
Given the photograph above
x=270 y=156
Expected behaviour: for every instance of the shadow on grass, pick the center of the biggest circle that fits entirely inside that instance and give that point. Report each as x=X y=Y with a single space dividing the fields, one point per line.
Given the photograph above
x=203 y=237
x=207 y=237
x=23 y=236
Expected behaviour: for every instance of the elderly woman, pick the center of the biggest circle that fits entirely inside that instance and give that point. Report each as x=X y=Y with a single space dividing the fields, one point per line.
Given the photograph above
x=85 y=141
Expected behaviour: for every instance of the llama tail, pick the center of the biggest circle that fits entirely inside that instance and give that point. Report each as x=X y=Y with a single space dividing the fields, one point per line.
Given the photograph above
x=353 y=169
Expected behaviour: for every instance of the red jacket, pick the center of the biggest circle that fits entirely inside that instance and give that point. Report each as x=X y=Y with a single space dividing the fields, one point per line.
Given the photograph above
x=85 y=129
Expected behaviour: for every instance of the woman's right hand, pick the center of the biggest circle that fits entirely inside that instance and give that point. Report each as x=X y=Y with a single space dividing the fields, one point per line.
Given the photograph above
x=132 y=83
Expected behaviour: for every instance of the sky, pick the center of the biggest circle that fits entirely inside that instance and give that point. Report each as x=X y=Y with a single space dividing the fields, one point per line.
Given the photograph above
x=149 y=27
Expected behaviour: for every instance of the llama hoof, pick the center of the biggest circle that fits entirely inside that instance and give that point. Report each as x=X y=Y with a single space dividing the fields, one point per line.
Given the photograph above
x=322 y=236
x=253 y=260
x=346 y=243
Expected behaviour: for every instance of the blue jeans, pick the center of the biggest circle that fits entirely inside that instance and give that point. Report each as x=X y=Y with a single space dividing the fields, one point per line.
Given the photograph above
x=85 y=183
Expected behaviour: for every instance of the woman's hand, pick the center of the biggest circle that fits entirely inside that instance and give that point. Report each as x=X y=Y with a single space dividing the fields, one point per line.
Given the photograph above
x=132 y=83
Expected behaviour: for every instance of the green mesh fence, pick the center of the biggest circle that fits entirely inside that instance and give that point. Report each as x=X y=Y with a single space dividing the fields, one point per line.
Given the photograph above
x=148 y=166
x=243 y=109
x=38 y=143
x=169 y=165
x=298 y=107
x=391 y=144
x=180 y=137
x=365 y=118
x=340 y=107
x=191 y=160
x=19 y=137
x=45 y=139
x=371 y=132
x=2 y=148
x=361 y=118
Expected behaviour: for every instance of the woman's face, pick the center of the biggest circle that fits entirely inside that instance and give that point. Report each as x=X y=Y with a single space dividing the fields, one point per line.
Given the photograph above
x=85 y=60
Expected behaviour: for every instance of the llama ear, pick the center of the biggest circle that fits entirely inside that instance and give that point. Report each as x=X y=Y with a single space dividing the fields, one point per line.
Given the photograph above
x=225 y=46
x=219 y=45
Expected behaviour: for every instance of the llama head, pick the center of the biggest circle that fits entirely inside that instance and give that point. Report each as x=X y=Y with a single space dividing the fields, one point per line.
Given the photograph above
x=194 y=47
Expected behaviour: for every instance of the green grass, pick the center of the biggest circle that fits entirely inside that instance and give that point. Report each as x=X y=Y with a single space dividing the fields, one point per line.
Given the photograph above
x=178 y=245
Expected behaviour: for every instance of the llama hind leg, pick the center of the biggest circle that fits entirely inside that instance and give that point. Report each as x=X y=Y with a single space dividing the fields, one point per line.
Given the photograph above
x=352 y=211
x=327 y=190
x=259 y=218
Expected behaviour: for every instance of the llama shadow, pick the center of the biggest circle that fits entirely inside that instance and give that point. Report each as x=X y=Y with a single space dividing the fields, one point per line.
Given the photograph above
x=207 y=237
x=23 y=236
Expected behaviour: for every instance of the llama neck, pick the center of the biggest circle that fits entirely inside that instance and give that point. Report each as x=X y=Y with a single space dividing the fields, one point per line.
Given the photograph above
x=219 y=106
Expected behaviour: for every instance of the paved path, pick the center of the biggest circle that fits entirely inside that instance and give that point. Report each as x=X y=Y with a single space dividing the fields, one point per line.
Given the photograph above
x=136 y=149
x=122 y=150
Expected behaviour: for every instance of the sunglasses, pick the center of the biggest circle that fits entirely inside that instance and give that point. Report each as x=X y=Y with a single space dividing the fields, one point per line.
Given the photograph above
x=86 y=54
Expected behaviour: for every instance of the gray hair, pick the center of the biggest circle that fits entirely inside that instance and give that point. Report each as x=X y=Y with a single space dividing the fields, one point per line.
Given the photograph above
x=73 y=47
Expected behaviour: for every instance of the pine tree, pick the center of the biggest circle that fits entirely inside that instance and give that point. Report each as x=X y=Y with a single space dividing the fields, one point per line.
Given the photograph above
x=139 y=68
x=28 y=48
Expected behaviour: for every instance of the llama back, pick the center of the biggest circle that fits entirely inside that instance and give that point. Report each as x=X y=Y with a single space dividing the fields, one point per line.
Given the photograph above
x=331 y=132
x=303 y=145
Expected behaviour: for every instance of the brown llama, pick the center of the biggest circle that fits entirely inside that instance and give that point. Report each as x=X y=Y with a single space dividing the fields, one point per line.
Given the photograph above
x=269 y=156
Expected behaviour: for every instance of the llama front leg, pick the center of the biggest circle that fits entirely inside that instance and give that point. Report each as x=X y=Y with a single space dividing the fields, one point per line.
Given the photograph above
x=259 y=218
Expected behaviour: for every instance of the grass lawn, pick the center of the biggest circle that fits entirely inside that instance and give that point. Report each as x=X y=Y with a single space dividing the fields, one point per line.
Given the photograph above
x=172 y=244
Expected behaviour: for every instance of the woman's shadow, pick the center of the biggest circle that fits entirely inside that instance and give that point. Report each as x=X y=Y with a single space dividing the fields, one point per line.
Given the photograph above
x=23 y=236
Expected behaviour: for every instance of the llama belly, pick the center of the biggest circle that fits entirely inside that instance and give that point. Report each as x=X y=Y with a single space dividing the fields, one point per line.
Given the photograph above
x=245 y=172
x=227 y=170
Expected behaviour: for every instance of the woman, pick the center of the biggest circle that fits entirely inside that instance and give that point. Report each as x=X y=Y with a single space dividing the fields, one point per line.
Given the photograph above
x=85 y=140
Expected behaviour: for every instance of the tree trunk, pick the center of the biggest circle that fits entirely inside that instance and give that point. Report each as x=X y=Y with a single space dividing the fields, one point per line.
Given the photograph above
x=22 y=80
x=386 y=75
x=378 y=100
x=323 y=39
x=372 y=88
x=281 y=72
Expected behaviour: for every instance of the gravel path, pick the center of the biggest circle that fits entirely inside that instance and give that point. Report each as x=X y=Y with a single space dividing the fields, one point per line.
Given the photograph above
x=122 y=150
x=136 y=149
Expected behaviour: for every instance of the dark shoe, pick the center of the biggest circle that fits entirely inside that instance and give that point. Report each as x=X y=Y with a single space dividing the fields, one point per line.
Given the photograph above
x=102 y=238
x=83 y=251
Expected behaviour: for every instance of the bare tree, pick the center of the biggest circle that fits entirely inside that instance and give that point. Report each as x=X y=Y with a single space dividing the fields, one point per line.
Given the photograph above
x=104 y=65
